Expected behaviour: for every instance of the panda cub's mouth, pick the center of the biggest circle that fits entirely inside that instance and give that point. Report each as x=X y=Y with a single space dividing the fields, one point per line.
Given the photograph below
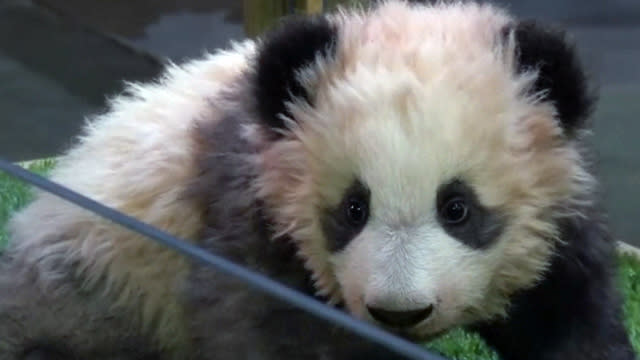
x=400 y=319
x=412 y=324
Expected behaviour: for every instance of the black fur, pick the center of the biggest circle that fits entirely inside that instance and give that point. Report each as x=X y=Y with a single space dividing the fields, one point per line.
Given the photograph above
x=483 y=226
x=561 y=74
x=288 y=48
x=47 y=353
x=575 y=312
x=334 y=223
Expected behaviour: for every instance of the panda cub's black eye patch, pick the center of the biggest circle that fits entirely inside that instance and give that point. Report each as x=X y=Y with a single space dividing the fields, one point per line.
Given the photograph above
x=343 y=222
x=463 y=217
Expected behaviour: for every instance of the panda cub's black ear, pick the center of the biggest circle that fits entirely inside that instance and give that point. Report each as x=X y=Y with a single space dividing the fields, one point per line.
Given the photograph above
x=561 y=75
x=292 y=45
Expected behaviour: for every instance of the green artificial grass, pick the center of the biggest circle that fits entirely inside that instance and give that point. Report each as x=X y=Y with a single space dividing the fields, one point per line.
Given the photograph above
x=456 y=345
x=14 y=193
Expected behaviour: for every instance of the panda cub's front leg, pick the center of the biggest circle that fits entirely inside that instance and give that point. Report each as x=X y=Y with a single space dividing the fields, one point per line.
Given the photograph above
x=268 y=329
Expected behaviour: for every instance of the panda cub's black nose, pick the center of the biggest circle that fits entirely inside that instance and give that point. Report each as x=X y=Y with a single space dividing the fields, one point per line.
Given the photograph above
x=400 y=318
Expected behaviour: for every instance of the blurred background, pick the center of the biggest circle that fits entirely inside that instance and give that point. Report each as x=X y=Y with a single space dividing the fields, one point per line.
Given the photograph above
x=60 y=60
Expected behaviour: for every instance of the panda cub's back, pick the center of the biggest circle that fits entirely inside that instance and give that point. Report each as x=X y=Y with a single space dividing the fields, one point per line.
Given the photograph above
x=137 y=158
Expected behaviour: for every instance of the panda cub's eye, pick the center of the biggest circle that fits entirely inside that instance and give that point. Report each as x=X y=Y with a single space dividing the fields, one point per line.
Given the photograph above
x=454 y=211
x=356 y=211
x=345 y=221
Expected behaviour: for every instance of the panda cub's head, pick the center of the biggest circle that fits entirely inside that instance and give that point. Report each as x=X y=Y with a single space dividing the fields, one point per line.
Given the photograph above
x=421 y=156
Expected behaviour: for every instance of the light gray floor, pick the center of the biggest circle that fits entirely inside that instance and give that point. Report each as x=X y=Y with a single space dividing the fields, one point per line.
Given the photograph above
x=52 y=74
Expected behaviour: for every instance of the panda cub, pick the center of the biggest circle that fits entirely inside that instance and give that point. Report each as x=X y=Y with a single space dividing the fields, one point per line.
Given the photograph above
x=421 y=166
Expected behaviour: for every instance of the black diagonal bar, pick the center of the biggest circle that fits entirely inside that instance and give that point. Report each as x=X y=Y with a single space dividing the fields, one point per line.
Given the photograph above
x=261 y=282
